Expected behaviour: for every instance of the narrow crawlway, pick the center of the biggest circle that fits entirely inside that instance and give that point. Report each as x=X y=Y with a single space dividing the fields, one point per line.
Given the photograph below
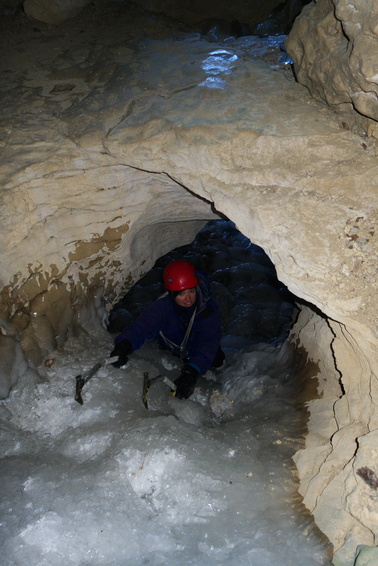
x=204 y=481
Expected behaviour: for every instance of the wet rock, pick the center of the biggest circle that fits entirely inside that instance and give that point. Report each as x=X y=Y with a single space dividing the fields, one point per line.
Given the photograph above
x=12 y=366
x=281 y=20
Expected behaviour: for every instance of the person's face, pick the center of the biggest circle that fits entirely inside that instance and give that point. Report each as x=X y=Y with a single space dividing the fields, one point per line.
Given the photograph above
x=186 y=298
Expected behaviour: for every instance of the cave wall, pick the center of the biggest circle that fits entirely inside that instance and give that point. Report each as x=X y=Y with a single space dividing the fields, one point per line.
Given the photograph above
x=100 y=229
x=117 y=152
x=333 y=44
x=342 y=436
x=190 y=12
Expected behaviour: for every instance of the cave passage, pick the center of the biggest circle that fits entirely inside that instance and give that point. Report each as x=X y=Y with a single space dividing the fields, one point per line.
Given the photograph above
x=255 y=307
x=113 y=112
x=206 y=481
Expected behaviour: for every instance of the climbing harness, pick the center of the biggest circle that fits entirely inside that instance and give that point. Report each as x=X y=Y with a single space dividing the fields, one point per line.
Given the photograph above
x=182 y=348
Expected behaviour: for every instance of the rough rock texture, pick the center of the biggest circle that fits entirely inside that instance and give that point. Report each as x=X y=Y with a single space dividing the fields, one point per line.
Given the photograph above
x=367 y=556
x=188 y=11
x=120 y=147
x=334 y=44
x=342 y=437
x=52 y=12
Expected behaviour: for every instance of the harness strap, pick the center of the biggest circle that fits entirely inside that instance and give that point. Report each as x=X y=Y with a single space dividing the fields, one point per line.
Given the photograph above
x=182 y=347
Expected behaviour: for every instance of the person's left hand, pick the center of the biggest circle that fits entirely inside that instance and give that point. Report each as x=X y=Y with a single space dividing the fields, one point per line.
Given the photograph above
x=122 y=350
x=186 y=382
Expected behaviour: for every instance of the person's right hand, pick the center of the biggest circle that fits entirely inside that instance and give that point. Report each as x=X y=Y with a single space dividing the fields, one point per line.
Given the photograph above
x=185 y=384
x=122 y=350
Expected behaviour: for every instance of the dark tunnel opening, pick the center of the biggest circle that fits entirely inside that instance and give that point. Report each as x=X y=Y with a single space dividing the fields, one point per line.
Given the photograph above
x=257 y=311
x=255 y=306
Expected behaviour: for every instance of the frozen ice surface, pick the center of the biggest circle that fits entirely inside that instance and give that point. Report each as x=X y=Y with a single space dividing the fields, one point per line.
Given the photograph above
x=111 y=483
x=206 y=481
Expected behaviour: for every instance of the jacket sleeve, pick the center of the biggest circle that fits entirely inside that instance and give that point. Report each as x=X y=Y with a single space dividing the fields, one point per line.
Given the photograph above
x=206 y=339
x=146 y=326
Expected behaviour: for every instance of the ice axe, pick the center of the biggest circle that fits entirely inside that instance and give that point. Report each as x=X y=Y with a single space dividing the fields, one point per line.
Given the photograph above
x=81 y=380
x=147 y=382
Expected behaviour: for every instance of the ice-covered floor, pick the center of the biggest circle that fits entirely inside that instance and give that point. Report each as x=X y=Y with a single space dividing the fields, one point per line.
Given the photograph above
x=205 y=481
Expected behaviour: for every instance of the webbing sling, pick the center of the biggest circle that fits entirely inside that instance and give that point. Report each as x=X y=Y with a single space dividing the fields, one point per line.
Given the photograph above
x=182 y=347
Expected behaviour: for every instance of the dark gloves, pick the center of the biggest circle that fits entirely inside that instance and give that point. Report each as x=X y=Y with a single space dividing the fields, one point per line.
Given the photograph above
x=186 y=382
x=122 y=350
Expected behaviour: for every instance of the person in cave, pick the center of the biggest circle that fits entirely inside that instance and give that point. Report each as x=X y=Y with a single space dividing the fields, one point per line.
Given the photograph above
x=186 y=321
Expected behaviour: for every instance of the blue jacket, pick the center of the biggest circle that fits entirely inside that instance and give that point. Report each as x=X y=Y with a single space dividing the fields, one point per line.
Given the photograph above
x=161 y=319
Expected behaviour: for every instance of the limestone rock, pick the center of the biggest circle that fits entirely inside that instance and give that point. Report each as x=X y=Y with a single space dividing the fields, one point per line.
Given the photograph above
x=13 y=364
x=367 y=556
x=191 y=12
x=333 y=44
x=120 y=147
x=53 y=12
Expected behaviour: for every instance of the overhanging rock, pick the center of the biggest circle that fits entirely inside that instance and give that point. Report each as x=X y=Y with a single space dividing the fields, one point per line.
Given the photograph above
x=113 y=164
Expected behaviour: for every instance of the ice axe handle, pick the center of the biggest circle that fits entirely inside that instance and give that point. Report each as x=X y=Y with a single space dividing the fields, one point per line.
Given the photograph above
x=111 y=360
x=81 y=380
x=170 y=384
x=79 y=386
x=147 y=382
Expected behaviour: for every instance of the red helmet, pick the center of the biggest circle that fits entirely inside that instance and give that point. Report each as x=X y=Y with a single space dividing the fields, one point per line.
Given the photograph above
x=180 y=275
